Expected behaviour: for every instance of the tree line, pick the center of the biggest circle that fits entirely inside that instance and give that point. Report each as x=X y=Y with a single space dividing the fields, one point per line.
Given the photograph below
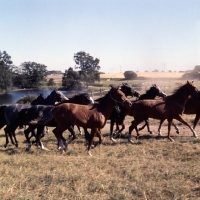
x=32 y=74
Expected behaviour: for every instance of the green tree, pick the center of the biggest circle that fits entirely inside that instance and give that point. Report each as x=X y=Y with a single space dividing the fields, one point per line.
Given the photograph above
x=197 y=68
x=51 y=82
x=88 y=67
x=130 y=75
x=6 y=71
x=31 y=75
x=71 y=79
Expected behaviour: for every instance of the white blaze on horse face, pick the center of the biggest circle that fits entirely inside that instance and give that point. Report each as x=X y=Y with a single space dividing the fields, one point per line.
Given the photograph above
x=92 y=100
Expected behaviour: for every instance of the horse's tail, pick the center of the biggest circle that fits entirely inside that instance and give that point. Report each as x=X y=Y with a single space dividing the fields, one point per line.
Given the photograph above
x=44 y=120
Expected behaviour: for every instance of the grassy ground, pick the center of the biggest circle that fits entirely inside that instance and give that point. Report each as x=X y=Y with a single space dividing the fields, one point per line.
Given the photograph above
x=151 y=168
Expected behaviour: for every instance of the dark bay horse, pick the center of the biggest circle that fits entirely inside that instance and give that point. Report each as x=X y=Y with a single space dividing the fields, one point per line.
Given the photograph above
x=128 y=91
x=11 y=114
x=192 y=107
x=170 y=107
x=153 y=92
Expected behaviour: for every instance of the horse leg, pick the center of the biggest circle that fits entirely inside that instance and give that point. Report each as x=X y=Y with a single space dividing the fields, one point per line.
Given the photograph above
x=73 y=134
x=26 y=133
x=58 y=134
x=146 y=124
x=117 y=126
x=11 y=138
x=148 y=128
x=79 y=129
x=196 y=120
x=87 y=134
x=93 y=132
x=176 y=127
x=141 y=128
x=40 y=130
x=180 y=119
x=15 y=138
x=159 y=128
x=120 y=130
x=134 y=126
x=6 y=134
x=99 y=134
x=112 y=121
x=169 y=129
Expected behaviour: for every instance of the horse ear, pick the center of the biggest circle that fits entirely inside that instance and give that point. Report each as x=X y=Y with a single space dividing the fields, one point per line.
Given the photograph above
x=189 y=82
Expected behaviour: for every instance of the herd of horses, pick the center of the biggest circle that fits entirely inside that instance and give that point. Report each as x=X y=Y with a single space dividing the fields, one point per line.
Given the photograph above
x=81 y=110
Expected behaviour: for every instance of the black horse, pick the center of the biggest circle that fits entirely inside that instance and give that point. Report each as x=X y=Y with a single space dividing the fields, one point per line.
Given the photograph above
x=11 y=114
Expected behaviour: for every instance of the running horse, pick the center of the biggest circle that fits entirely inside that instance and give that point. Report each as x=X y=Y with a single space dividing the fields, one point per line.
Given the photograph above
x=11 y=115
x=192 y=107
x=170 y=107
x=128 y=91
x=93 y=116
x=153 y=92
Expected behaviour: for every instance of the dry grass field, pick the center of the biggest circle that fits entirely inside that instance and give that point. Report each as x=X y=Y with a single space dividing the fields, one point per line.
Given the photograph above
x=146 y=75
x=150 y=169
x=150 y=75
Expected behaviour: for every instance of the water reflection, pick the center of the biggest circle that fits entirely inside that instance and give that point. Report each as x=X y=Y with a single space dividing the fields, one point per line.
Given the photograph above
x=13 y=96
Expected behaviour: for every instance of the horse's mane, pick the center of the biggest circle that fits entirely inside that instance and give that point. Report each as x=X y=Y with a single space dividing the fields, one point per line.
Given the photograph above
x=102 y=99
x=177 y=90
x=149 y=90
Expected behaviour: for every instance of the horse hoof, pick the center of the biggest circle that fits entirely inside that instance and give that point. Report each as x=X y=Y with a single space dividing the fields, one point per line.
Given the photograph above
x=27 y=148
x=177 y=132
x=113 y=140
x=171 y=139
x=16 y=145
x=131 y=141
x=89 y=153
x=151 y=132
x=5 y=145
x=60 y=148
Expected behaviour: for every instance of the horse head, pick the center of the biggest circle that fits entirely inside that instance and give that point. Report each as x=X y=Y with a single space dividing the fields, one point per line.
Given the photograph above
x=191 y=88
x=118 y=96
x=157 y=91
x=83 y=98
x=39 y=100
x=57 y=96
x=129 y=91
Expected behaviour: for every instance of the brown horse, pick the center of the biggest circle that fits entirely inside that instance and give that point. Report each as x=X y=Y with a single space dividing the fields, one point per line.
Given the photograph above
x=192 y=107
x=170 y=107
x=93 y=116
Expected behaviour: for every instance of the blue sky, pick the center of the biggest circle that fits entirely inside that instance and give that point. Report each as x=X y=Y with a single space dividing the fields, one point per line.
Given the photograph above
x=134 y=35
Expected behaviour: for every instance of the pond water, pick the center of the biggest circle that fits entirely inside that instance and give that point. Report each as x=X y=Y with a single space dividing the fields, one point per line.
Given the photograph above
x=13 y=96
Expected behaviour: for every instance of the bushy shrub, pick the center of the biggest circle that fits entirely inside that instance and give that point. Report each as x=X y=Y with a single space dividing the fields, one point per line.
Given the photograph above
x=191 y=75
x=130 y=75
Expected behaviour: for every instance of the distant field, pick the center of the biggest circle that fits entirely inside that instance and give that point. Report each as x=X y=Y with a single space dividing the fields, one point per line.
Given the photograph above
x=57 y=78
x=146 y=75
